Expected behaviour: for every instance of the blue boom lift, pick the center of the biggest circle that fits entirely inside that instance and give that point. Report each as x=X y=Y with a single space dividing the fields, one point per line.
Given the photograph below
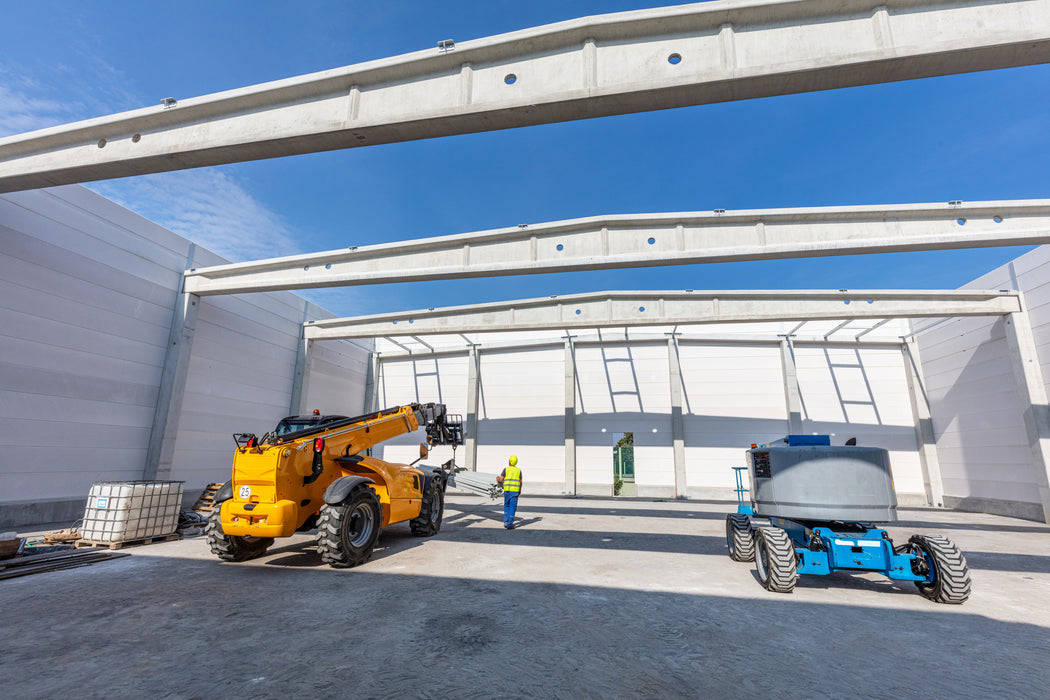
x=821 y=503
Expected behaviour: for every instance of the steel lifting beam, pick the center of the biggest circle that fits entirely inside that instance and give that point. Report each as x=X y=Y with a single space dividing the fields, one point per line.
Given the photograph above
x=643 y=308
x=590 y=67
x=644 y=240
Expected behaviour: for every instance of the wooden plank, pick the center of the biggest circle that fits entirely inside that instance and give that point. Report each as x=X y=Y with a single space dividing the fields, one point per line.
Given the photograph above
x=84 y=543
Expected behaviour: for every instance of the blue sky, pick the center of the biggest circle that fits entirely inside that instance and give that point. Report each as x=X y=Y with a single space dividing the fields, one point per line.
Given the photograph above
x=982 y=136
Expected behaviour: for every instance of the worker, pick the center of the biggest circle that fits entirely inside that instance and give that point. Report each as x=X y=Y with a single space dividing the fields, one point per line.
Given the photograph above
x=510 y=480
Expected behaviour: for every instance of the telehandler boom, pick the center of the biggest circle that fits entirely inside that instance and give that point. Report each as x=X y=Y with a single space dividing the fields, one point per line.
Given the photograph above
x=316 y=471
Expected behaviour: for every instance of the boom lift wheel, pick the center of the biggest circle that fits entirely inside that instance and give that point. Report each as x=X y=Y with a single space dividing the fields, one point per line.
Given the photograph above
x=429 y=521
x=775 y=560
x=347 y=532
x=739 y=539
x=948 y=577
x=232 y=547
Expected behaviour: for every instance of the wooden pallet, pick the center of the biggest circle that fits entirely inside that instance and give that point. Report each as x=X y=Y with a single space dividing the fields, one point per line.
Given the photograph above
x=81 y=544
x=206 y=501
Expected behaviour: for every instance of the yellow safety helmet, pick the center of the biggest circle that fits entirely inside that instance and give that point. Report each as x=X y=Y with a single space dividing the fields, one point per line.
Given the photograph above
x=513 y=460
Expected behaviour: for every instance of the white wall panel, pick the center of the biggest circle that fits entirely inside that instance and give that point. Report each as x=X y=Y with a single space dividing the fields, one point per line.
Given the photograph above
x=975 y=403
x=862 y=393
x=84 y=317
x=521 y=412
x=624 y=388
x=87 y=290
x=441 y=379
x=976 y=410
x=732 y=396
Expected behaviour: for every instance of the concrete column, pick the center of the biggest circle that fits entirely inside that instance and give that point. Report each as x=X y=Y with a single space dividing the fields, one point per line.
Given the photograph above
x=677 y=421
x=792 y=398
x=301 y=381
x=570 y=417
x=924 y=435
x=1030 y=385
x=470 y=430
x=371 y=384
x=161 y=448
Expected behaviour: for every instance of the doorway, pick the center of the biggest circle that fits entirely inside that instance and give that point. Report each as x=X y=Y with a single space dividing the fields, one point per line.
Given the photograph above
x=623 y=465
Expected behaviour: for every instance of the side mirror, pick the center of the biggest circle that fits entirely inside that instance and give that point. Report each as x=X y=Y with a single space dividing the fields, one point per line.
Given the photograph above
x=423 y=450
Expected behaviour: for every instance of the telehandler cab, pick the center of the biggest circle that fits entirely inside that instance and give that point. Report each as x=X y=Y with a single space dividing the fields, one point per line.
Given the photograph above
x=315 y=471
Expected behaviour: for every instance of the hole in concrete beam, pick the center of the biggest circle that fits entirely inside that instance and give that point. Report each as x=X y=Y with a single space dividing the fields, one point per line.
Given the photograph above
x=674 y=59
x=510 y=79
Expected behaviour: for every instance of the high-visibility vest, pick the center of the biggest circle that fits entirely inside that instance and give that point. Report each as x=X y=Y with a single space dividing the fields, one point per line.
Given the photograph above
x=512 y=479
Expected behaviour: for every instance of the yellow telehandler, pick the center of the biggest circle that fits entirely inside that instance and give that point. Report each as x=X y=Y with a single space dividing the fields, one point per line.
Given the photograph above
x=315 y=471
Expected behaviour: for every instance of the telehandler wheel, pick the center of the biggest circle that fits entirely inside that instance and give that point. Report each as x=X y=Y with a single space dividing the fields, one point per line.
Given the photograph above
x=948 y=580
x=347 y=532
x=232 y=547
x=429 y=521
x=739 y=538
x=775 y=560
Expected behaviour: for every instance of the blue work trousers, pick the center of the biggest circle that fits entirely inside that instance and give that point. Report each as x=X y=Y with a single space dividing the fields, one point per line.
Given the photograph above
x=510 y=504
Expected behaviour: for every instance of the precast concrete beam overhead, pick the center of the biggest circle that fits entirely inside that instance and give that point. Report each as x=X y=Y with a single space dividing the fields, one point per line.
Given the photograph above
x=591 y=67
x=644 y=240
x=644 y=308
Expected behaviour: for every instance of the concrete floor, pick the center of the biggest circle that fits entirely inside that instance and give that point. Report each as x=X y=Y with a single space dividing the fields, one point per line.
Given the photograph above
x=589 y=598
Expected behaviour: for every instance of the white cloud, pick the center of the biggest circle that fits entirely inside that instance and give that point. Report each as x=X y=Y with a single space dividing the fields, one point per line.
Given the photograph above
x=211 y=208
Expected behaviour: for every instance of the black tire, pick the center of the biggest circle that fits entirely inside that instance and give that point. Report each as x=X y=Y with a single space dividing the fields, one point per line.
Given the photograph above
x=232 y=547
x=347 y=532
x=430 y=512
x=949 y=576
x=775 y=560
x=739 y=538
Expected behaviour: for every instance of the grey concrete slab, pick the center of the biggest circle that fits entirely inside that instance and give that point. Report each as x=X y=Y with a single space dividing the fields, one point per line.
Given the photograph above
x=622 y=63
x=587 y=598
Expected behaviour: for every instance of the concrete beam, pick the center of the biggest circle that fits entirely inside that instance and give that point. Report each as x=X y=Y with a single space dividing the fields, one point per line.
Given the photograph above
x=674 y=370
x=645 y=240
x=470 y=430
x=792 y=396
x=924 y=434
x=1034 y=403
x=570 y=417
x=301 y=381
x=161 y=447
x=644 y=308
x=650 y=338
x=591 y=67
x=371 y=398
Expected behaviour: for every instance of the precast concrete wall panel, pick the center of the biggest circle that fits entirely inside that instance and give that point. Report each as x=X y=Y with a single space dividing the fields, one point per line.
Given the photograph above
x=87 y=292
x=438 y=379
x=732 y=396
x=85 y=309
x=521 y=411
x=975 y=404
x=976 y=409
x=624 y=388
x=338 y=375
x=862 y=393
